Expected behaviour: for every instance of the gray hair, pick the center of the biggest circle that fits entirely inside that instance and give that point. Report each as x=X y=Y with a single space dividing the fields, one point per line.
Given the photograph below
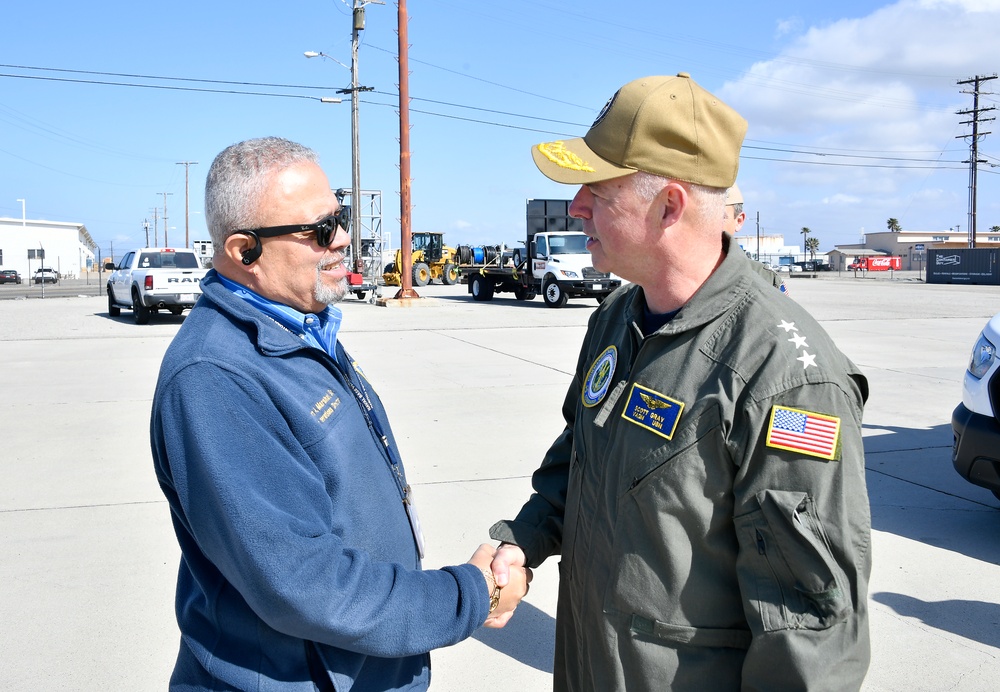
x=737 y=208
x=709 y=202
x=237 y=180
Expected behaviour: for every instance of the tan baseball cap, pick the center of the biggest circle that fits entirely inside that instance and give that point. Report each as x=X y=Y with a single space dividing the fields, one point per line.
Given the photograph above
x=733 y=195
x=668 y=126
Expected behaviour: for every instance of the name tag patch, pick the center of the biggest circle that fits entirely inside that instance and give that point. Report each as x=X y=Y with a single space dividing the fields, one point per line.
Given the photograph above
x=805 y=432
x=653 y=411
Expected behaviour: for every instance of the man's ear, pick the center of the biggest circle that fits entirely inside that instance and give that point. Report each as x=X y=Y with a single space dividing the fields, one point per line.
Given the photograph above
x=671 y=202
x=242 y=249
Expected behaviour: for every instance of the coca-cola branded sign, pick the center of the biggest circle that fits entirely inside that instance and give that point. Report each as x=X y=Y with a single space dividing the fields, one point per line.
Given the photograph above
x=884 y=263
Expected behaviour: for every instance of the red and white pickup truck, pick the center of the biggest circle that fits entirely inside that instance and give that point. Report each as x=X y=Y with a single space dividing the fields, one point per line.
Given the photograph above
x=150 y=279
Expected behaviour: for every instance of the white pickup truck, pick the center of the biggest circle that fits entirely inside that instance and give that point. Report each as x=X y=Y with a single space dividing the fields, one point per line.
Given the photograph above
x=150 y=279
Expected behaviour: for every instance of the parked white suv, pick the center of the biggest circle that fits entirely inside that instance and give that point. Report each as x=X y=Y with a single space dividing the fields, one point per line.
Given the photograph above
x=976 y=428
x=46 y=275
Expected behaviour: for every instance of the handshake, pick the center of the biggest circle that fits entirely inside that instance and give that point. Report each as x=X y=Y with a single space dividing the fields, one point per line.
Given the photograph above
x=506 y=578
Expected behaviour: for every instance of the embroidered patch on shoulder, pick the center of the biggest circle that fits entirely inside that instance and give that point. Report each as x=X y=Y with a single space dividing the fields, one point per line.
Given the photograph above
x=653 y=411
x=598 y=379
x=805 y=432
x=557 y=153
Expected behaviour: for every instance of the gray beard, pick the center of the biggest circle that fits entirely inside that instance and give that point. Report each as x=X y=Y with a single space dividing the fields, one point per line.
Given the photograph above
x=328 y=295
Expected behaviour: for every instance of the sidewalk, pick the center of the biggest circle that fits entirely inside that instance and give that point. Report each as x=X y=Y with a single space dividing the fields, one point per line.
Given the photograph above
x=473 y=391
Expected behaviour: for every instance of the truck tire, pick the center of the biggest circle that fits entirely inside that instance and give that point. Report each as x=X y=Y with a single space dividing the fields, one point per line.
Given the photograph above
x=113 y=308
x=421 y=274
x=139 y=311
x=522 y=293
x=480 y=287
x=553 y=294
x=450 y=274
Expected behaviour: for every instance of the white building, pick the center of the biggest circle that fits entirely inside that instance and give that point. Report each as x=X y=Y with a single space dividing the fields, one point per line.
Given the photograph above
x=772 y=247
x=26 y=244
x=912 y=246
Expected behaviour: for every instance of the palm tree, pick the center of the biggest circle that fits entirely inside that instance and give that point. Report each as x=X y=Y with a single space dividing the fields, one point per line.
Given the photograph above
x=994 y=229
x=805 y=236
x=812 y=247
x=893 y=225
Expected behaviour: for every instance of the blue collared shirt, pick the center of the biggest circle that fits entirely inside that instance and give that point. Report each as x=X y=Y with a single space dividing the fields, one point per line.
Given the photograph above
x=317 y=330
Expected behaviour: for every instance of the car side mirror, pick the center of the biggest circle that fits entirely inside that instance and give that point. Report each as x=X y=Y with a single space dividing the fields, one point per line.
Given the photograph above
x=109 y=266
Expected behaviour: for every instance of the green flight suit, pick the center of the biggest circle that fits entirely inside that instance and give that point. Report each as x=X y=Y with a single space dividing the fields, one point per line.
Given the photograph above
x=708 y=499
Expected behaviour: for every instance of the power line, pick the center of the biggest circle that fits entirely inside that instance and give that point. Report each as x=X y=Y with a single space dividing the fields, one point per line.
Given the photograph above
x=811 y=152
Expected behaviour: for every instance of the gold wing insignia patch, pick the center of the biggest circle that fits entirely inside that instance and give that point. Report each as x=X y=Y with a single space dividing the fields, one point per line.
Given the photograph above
x=653 y=402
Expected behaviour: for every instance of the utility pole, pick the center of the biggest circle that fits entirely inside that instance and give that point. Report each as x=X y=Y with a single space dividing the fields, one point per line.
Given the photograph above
x=758 y=238
x=358 y=25
x=145 y=227
x=974 y=160
x=187 y=213
x=405 y=233
x=156 y=228
x=166 y=243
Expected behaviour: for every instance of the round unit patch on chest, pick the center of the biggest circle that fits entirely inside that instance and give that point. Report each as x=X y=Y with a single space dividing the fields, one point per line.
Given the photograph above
x=598 y=379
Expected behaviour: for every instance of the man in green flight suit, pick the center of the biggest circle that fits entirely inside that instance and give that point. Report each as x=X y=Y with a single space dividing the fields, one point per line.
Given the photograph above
x=707 y=495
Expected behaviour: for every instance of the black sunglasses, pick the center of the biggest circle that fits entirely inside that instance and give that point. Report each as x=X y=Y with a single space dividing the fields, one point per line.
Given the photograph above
x=325 y=229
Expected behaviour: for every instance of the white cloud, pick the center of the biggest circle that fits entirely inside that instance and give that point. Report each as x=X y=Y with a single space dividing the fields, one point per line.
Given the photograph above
x=841 y=200
x=883 y=85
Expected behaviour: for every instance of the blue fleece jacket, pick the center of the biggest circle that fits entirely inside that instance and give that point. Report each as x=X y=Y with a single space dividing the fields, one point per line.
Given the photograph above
x=298 y=560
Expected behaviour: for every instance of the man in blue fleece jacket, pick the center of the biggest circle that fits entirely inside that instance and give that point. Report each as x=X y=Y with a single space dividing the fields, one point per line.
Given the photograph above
x=300 y=547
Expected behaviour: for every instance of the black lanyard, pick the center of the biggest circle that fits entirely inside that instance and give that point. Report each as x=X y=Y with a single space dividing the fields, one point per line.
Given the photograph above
x=360 y=393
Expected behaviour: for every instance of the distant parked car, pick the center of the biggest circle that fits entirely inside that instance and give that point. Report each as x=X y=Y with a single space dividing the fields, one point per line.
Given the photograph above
x=9 y=276
x=46 y=275
x=974 y=423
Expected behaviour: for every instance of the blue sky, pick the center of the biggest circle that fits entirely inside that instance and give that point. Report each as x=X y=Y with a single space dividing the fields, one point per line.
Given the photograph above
x=852 y=105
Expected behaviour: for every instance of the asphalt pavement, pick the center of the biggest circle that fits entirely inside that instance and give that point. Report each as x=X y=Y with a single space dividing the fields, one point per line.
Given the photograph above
x=89 y=558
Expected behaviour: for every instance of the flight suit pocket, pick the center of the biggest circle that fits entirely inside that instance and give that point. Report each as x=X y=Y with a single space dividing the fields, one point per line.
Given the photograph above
x=787 y=566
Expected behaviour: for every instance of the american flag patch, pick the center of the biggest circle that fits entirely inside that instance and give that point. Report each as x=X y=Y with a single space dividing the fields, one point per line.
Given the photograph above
x=815 y=434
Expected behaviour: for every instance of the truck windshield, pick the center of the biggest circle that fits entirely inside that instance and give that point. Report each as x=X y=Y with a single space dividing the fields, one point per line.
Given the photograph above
x=567 y=244
x=173 y=260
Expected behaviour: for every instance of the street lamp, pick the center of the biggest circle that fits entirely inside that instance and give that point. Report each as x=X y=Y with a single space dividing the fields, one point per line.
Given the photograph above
x=358 y=25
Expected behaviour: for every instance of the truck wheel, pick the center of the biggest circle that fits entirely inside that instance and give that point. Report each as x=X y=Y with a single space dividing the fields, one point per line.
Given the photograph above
x=481 y=287
x=601 y=297
x=360 y=295
x=522 y=293
x=553 y=294
x=450 y=274
x=421 y=274
x=113 y=308
x=139 y=311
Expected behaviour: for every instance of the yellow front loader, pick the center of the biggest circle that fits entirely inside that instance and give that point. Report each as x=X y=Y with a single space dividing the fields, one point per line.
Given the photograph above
x=432 y=260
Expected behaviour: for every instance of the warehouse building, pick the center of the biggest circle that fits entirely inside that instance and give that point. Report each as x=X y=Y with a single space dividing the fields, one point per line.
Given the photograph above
x=27 y=244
